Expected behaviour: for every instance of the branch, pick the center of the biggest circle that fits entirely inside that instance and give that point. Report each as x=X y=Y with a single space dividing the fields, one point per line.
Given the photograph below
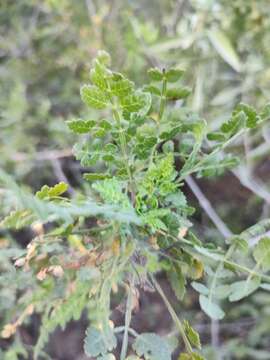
x=252 y=184
x=208 y=208
x=59 y=173
x=42 y=155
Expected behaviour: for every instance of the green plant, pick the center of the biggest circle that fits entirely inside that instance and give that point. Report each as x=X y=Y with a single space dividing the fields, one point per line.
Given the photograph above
x=132 y=220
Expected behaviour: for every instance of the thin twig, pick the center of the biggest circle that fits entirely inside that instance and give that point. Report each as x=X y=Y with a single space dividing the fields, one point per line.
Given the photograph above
x=252 y=184
x=222 y=228
x=174 y=316
x=208 y=208
x=127 y=321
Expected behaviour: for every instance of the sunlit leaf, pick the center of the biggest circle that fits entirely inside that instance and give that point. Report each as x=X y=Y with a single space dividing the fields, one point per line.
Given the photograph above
x=94 y=97
x=50 y=192
x=155 y=74
x=81 y=126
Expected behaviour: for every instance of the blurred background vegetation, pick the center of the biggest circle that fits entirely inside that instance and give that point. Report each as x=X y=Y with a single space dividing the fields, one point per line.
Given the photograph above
x=46 y=48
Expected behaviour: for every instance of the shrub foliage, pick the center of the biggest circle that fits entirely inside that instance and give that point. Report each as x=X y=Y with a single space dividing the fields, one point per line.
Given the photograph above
x=132 y=220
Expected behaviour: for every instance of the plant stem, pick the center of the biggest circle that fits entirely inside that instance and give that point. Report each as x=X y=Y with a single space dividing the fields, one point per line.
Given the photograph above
x=191 y=249
x=160 y=114
x=200 y=165
x=173 y=314
x=219 y=268
x=123 y=146
x=163 y=98
x=127 y=321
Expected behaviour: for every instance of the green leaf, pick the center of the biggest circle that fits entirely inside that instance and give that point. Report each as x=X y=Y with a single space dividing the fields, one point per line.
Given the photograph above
x=265 y=113
x=216 y=136
x=57 y=189
x=200 y=288
x=98 y=343
x=225 y=49
x=243 y=288
x=222 y=292
x=152 y=218
x=210 y=308
x=192 y=356
x=17 y=219
x=153 y=90
x=261 y=253
x=173 y=75
x=240 y=244
x=192 y=335
x=252 y=118
x=98 y=75
x=177 y=93
x=111 y=191
x=94 y=97
x=138 y=102
x=122 y=87
x=103 y=57
x=214 y=164
x=265 y=286
x=152 y=347
x=47 y=192
x=90 y=152
x=95 y=176
x=86 y=154
x=177 y=281
x=80 y=126
x=236 y=123
x=155 y=74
